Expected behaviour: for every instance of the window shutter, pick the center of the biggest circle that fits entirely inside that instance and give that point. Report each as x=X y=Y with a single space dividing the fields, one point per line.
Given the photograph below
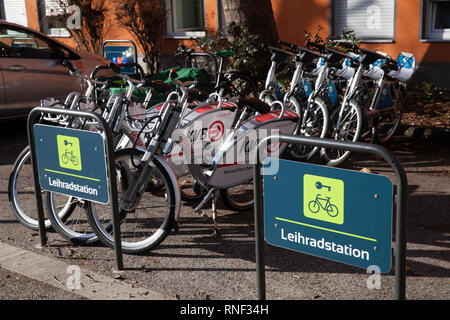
x=51 y=7
x=14 y=11
x=51 y=22
x=369 y=19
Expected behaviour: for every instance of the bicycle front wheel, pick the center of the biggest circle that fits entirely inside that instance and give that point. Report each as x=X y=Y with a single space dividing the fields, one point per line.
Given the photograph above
x=315 y=125
x=239 y=86
x=21 y=193
x=349 y=129
x=149 y=222
x=76 y=227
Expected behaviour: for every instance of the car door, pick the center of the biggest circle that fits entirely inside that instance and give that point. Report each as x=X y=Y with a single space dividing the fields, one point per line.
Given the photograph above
x=32 y=69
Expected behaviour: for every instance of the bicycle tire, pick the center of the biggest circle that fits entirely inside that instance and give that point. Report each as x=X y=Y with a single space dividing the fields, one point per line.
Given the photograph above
x=238 y=199
x=350 y=130
x=191 y=191
x=249 y=90
x=314 y=204
x=75 y=228
x=101 y=221
x=333 y=209
x=65 y=158
x=23 y=197
x=382 y=136
x=316 y=126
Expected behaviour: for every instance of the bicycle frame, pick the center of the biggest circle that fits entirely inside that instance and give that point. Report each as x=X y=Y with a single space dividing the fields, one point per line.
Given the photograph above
x=271 y=87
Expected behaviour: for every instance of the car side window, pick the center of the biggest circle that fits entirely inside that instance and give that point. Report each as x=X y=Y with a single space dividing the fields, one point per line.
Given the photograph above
x=16 y=43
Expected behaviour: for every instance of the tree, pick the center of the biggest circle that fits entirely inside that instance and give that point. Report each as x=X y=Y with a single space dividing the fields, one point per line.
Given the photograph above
x=145 y=20
x=255 y=18
x=85 y=21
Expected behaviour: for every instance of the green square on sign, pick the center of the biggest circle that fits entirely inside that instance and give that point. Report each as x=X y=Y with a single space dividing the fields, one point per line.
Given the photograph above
x=323 y=198
x=69 y=154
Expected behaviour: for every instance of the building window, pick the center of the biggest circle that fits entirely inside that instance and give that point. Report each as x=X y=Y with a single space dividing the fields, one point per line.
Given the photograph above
x=14 y=11
x=370 y=20
x=436 y=17
x=186 y=18
x=52 y=19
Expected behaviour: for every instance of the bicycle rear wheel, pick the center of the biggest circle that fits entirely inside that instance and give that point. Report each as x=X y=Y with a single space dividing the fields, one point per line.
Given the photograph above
x=150 y=221
x=388 y=121
x=240 y=197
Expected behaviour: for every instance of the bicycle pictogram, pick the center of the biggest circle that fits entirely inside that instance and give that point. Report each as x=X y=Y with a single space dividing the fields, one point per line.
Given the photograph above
x=325 y=204
x=69 y=152
x=324 y=199
x=69 y=156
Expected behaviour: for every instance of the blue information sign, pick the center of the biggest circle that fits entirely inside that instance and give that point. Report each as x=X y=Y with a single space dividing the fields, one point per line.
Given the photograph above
x=337 y=214
x=121 y=55
x=72 y=162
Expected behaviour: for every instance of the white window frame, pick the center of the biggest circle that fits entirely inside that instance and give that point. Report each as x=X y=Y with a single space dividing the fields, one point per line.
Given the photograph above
x=171 y=33
x=51 y=32
x=430 y=33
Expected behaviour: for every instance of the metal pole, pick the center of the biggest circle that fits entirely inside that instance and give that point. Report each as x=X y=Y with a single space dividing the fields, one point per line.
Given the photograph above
x=37 y=187
x=259 y=232
x=402 y=185
x=114 y=198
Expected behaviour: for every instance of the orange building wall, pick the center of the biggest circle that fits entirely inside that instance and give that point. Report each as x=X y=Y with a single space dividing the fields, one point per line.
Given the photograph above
x=293 y=17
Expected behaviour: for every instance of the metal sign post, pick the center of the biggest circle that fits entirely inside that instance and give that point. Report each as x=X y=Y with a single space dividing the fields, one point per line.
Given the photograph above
x=330 y=182
x=76 y=164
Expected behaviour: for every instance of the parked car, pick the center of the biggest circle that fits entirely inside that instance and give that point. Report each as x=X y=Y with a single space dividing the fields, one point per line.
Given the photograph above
x=31 y=69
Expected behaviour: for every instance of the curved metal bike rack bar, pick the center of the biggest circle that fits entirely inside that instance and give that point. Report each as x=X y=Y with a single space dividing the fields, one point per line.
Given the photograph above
x=358 y=147
x=34 y=114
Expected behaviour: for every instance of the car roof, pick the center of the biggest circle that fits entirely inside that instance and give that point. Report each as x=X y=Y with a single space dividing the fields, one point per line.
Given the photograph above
x=40 y=34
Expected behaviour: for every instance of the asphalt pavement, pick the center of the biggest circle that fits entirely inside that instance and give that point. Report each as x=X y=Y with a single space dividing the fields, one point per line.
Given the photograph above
x=192 y=264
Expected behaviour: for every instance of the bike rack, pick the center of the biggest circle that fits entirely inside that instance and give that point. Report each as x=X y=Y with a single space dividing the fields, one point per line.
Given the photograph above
x=358 y=147
x=34 y=114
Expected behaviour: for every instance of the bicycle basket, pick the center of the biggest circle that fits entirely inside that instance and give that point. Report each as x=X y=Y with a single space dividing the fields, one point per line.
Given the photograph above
x=375 y=72
x=406 y=63
x=346 y=72
x=52 y=103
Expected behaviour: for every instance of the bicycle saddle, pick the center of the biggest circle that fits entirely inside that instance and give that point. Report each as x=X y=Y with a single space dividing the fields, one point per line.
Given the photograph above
x=255 y=104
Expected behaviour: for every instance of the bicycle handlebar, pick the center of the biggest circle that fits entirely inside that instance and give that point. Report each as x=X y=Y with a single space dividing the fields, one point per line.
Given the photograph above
x=182 y=50
x=276 y=50
x=66 y=63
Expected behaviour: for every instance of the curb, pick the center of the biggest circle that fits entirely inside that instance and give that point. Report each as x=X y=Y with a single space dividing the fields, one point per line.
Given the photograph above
x=59 y=274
